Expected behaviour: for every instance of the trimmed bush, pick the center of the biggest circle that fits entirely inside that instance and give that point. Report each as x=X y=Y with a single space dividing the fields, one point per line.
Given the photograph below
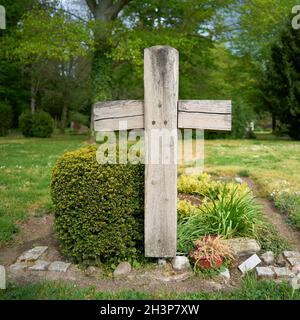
x=78 y=117
x=25 y=124
x=38 y=125
x=5 y=118
x=98 y=207
x=42 y=126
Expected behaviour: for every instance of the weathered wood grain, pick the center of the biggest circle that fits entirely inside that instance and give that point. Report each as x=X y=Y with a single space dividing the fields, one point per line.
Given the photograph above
x=106 y=125
x=205 y=106
x=108 y=116
x=161 y=97
x=204 y=114
x=206 y=121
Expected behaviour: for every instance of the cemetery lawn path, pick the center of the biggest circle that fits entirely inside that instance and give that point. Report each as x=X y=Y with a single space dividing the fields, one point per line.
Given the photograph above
x=277 y=219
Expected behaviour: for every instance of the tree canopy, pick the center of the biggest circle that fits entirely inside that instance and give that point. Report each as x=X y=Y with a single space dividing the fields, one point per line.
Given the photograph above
x=95 y=48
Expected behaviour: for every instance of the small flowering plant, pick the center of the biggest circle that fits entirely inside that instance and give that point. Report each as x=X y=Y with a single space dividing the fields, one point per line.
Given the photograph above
x=210 y=252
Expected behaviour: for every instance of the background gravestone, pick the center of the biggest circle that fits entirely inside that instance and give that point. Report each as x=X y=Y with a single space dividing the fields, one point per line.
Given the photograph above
x=2 y=18
x=2 y=278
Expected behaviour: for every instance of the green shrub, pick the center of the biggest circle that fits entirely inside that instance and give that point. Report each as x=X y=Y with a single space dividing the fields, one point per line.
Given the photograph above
x=25 y=124
x=42 y=126
x=5 y=118
x=244 y=173
x=98 y=208
x=232 y=213
x=186 y=208
x=79 y=118
x=38 y=125
x=201 y=185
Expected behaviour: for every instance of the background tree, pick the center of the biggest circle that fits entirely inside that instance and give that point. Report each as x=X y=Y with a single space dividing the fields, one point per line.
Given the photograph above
x=14 y=84
x=104 y=13
x=45 y=36
x=67 y=89
x=282 y=81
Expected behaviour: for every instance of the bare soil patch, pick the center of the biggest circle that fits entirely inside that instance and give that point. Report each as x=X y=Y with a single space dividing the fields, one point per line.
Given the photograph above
x=194 y=200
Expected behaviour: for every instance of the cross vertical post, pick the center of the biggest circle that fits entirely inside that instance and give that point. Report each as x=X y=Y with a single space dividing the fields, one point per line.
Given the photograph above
x=161 y=76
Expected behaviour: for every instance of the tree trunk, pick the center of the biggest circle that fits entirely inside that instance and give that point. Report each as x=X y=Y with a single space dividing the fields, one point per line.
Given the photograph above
x=105 y=12
x=102 y=75
x=33 y=99
x=274 y=123
x=64 y=118
x=101 y=80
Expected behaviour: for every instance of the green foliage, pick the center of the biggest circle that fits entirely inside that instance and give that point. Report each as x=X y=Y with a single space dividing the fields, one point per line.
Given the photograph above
x=48 y=35
x=98 y=208
x=102 y=76
x=270 y=239
x=244 y=173
x=25 y=124
x=42 y=125
x=251 y=289
x=256 y=24
x=46 y=46
x=176 y=23
x=281 y=83
x=79 y=118
x=226 y=209
x=185 y=208
x=5 y=117
x=13 y=82
x=199 y=185
x=230 y=213
x=38 y=125
x=242 y=116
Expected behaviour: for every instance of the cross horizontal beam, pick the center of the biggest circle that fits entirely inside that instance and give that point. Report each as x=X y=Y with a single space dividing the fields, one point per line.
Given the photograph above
x=204 y=114
x=107 y=115
x=192 y=114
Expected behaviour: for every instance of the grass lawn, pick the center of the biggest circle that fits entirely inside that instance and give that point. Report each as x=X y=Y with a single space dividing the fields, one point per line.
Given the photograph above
x=271 y=163
x=25 y=169
x=250 y=290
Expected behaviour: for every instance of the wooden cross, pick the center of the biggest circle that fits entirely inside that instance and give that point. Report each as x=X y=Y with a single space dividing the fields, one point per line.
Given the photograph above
x=161 y=109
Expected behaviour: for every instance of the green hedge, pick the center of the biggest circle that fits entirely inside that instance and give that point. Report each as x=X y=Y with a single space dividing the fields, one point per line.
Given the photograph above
x=98 y=208
x=5 y=118
x=25 y=124
x=39 y=124
x=42 y=126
